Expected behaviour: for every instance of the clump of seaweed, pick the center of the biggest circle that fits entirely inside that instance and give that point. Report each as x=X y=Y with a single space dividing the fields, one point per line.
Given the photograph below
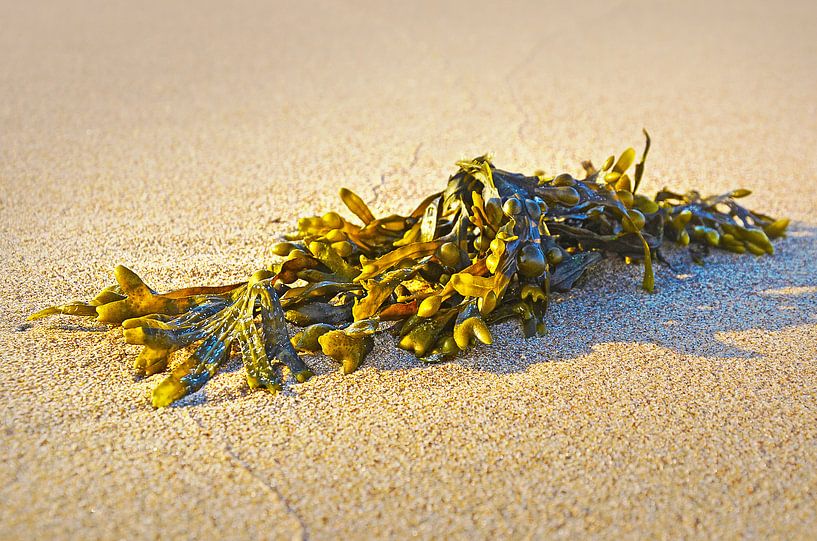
x=493 y=245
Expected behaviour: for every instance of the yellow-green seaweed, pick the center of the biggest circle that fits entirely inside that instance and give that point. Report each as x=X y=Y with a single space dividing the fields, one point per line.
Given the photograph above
x=492 y=245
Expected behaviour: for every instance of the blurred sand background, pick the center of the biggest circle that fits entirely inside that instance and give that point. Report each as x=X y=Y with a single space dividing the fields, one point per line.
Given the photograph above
x=182 y=139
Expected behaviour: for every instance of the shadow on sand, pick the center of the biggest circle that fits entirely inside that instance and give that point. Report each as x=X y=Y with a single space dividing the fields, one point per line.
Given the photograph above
x=694 y=310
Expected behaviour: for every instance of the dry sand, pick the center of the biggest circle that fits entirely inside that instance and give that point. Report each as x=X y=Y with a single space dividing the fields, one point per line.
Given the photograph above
x=181 y=141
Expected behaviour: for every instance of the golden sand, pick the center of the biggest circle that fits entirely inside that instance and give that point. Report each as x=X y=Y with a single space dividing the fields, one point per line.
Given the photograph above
x=182 y=140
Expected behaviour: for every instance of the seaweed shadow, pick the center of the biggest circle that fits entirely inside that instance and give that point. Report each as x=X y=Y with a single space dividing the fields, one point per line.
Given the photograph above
x=693 y=311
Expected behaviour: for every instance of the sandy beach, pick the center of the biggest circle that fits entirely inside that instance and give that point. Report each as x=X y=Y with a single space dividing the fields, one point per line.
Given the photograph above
x=183 y=141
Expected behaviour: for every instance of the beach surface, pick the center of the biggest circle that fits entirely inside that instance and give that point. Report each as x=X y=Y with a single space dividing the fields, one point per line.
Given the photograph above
x=182 y=141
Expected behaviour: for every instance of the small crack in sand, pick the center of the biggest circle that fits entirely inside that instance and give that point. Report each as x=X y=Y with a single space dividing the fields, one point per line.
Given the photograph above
x=269 y=487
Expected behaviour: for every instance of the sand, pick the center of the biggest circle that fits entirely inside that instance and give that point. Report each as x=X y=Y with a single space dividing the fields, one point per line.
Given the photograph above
x=182 y=141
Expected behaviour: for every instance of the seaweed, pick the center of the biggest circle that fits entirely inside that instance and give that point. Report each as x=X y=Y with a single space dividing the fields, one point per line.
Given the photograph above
x=492 y=245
